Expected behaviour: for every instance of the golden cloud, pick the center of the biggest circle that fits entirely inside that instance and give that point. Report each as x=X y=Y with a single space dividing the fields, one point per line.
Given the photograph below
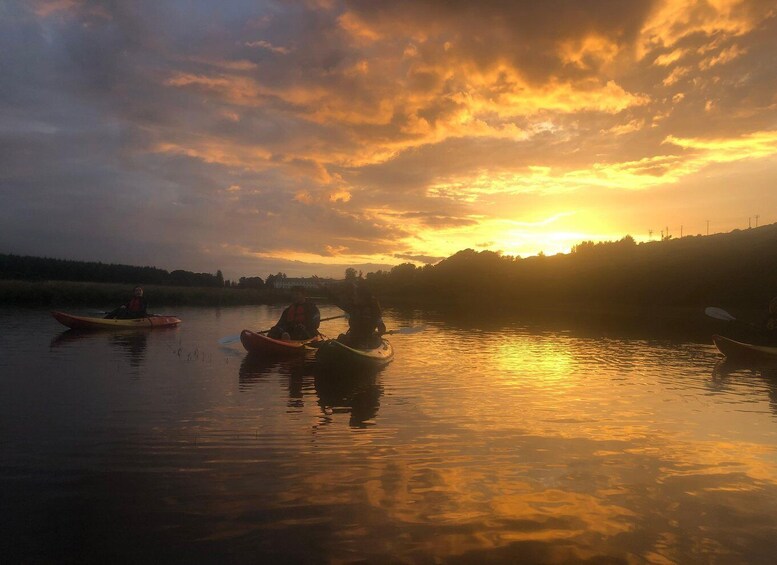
x=723 y=150
x=670 y=58
x=640 y=174
x=674 y=20
x=591 y=52
x=725 y=56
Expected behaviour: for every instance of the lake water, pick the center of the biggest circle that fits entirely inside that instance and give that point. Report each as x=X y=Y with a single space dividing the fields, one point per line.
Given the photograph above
x=531 y=442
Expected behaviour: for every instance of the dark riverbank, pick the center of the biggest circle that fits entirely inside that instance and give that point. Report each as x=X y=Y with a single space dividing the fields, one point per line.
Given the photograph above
x=66 y=293
x=644 y=319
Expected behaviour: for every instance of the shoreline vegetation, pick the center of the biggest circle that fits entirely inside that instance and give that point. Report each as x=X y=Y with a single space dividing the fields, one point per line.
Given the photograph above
x=59 y=294
x=732 y=270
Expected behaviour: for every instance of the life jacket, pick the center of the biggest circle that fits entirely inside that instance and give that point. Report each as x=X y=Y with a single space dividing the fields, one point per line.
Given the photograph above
x=296 y=314
x=135 y=304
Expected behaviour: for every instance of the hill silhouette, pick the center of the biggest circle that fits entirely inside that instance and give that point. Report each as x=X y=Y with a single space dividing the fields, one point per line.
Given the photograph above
x=737 y=268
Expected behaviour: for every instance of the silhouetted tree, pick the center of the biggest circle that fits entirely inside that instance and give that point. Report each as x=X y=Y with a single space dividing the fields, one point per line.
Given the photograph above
x=253 y=282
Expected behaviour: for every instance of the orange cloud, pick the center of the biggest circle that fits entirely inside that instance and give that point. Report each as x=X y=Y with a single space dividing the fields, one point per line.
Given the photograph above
x=218 y=151
x=670 y=58
x=725 y=56
x=45 y=8
x=357 y=28
x=591 y=52
x=674 y=20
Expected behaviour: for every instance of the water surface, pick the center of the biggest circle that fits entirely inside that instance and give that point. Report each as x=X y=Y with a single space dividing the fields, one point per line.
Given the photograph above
x=522 y=442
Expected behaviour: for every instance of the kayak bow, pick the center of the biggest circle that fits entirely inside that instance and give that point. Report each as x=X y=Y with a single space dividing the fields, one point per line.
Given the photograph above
x=744 y=351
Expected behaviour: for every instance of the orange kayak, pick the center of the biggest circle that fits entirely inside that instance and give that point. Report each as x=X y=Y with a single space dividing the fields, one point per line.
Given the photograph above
x=88 y=323
x=259 y=343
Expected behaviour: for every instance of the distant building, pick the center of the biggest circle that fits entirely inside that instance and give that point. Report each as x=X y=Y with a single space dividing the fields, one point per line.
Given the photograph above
x=308 y=283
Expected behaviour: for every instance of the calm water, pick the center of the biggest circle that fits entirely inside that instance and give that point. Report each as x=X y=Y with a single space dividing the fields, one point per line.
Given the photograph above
x=519 y=443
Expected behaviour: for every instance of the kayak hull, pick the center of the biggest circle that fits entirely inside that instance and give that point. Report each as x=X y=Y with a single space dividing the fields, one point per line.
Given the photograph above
x=89 y=323
x=744 y=351
x=260 y=344
x=335 y=354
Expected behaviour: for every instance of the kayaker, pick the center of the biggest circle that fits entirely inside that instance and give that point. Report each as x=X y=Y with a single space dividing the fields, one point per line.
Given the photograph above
x=769 y=323
x=762 y=332
x=299 y=321
x=135 y=308
x=365 y=321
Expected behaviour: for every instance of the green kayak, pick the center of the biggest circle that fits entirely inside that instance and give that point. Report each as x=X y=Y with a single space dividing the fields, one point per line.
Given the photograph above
x=335 y=354
x=744 y=351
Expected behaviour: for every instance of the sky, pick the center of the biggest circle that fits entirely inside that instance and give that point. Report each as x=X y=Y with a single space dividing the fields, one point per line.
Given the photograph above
x=313 y=135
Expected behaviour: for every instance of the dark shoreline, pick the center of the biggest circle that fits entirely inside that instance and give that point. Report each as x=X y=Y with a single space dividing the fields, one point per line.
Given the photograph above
x=57 y=294
x=647 y=319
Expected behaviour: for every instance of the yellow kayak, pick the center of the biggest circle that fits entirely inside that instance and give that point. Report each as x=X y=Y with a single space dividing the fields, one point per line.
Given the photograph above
x=87 y=323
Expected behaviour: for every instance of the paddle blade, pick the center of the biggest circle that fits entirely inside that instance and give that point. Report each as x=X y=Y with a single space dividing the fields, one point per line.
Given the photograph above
x=718 y=313
x=407 y=331
x=229 y=339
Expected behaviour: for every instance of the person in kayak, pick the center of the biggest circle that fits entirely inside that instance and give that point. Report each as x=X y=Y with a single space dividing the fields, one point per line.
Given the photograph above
x=365 y=316
x=769 y=324
x=299 y=321
x=762 y=332
x=135 y=308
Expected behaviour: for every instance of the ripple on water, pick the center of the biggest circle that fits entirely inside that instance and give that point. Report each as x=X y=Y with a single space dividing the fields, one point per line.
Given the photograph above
x=490 y=444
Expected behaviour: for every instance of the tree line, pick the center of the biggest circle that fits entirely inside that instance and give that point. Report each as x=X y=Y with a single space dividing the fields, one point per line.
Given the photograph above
x=22 y=267
x=738 y=268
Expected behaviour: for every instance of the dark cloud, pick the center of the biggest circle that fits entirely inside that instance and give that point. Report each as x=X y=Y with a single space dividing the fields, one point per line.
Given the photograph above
x=436 y=220
x=427 y=259
x=526 y=34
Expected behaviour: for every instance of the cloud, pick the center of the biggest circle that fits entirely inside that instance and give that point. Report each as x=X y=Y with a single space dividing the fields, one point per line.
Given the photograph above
x=426 y=259
x=268 y=46
x=344 y=132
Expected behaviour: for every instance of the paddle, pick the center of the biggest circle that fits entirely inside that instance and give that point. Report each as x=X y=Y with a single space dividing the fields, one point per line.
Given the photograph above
x=406 y=331
x=235 y=338
x=719 y=313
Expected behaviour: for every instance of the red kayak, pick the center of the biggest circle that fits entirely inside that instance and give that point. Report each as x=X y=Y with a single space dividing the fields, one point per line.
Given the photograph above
x=88 y=323
x=259 y=343
x=744 y=351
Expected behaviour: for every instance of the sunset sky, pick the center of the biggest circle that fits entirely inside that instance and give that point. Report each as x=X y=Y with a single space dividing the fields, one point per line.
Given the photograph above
x=309 y=136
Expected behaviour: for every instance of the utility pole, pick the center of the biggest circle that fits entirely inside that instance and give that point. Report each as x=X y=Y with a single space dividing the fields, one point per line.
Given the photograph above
x=650 y=235
x=708 y=227
x=749 y=223
x=756 y=220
